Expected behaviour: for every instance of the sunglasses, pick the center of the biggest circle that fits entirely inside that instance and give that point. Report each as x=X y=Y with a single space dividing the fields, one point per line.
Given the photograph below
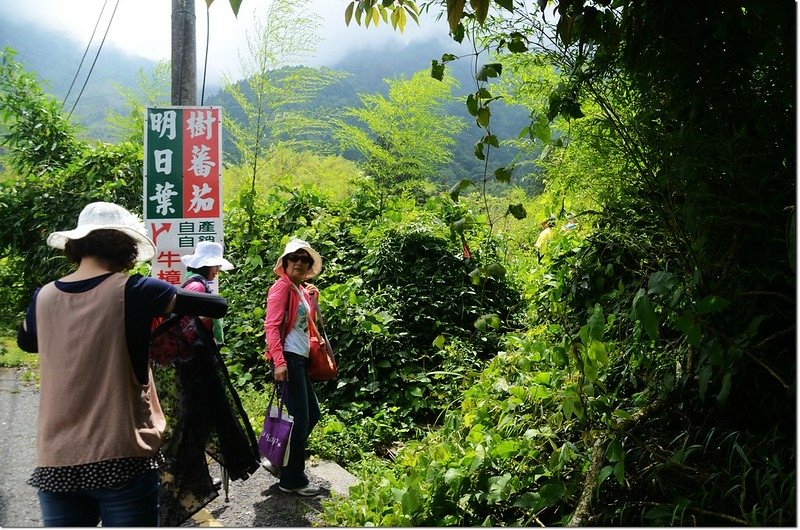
x=304 y=258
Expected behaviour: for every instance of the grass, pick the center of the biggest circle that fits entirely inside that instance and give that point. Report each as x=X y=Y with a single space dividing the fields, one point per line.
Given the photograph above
x=254 y=403
x=12 y=357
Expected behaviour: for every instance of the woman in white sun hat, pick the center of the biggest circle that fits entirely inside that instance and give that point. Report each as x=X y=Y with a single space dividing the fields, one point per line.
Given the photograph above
x=291 y=302
x=100 y=423
x=203 y=267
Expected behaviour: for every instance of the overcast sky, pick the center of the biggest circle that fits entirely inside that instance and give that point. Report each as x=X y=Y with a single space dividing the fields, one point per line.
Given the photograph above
x=142 y=27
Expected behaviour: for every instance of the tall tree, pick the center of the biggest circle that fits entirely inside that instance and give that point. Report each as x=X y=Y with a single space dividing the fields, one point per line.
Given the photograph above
x=273 y=88
x=407 y=135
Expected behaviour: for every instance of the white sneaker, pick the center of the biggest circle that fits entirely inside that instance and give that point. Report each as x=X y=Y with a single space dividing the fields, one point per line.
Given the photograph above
x=306 y=491
x=269 y=466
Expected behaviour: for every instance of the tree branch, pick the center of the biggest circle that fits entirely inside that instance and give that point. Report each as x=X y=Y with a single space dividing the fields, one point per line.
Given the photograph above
x=767 y=368
x=581 y=514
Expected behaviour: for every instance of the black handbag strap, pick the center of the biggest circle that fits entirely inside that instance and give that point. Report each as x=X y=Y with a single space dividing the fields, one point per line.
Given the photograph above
x=170 y=321
x=281 y=401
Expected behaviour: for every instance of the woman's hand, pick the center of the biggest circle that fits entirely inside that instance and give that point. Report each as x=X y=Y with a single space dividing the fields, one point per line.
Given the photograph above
x=312 y=289
x=281 y=373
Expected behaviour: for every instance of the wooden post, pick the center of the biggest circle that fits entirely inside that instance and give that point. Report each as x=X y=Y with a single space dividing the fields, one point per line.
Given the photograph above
x=184 y=53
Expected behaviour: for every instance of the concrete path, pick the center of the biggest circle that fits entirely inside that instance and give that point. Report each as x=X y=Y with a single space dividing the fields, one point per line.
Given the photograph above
x=19 y=402
x=255 y=502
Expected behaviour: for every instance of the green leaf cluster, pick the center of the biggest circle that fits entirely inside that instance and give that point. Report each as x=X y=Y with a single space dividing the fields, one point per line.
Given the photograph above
x=56 y=176
x=399 y=303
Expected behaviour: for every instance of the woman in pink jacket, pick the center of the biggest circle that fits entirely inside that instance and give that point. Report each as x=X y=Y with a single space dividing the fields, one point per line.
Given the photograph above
x=290 y=304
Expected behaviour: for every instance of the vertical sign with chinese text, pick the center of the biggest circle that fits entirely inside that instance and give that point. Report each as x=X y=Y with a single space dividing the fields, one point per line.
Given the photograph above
x=182 y=183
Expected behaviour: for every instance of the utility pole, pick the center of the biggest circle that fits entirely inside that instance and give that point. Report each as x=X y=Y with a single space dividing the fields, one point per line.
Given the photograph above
x=184 y=53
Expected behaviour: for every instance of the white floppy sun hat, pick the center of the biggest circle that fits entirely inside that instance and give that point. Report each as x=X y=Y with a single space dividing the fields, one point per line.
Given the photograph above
x=107 y=216
x=207 y=254
x=293 y=246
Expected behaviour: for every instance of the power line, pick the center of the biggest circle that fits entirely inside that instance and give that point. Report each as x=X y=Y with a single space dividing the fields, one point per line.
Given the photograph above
x=110 y=20
x=88 y=45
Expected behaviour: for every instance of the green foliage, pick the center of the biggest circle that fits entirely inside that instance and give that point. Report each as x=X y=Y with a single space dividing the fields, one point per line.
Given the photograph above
x=332 y=175
x=12 y=357
x=358 y=433
x=410 y=291
x=705 y=477
x=515 y=452
x=34 y=206
x=501 y=459
x=407 y=135
x=684 y=235
x=57 y=177
x=152 y=92
x=13 y=297
x=373 y=11
x=390 y=289
x=37 y=137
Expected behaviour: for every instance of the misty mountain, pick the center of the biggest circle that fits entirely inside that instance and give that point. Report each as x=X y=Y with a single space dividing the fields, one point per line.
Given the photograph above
x=54 y=60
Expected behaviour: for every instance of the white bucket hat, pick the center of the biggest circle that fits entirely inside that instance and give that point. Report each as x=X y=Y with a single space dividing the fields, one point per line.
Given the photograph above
x=293 y=246
x=108 y=216
x=207 y=254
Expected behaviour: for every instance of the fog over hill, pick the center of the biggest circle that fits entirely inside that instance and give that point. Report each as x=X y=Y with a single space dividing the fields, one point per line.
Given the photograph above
x=54 y=60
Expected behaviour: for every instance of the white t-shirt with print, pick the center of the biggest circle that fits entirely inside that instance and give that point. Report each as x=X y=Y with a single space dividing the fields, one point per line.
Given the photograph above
x=296 y=340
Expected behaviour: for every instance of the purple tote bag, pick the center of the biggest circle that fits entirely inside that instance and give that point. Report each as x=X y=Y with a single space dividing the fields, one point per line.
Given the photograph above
x=273 y=444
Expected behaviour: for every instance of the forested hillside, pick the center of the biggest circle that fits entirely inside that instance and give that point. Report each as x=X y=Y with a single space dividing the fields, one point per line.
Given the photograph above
x=615 y=347
x=54 y=60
